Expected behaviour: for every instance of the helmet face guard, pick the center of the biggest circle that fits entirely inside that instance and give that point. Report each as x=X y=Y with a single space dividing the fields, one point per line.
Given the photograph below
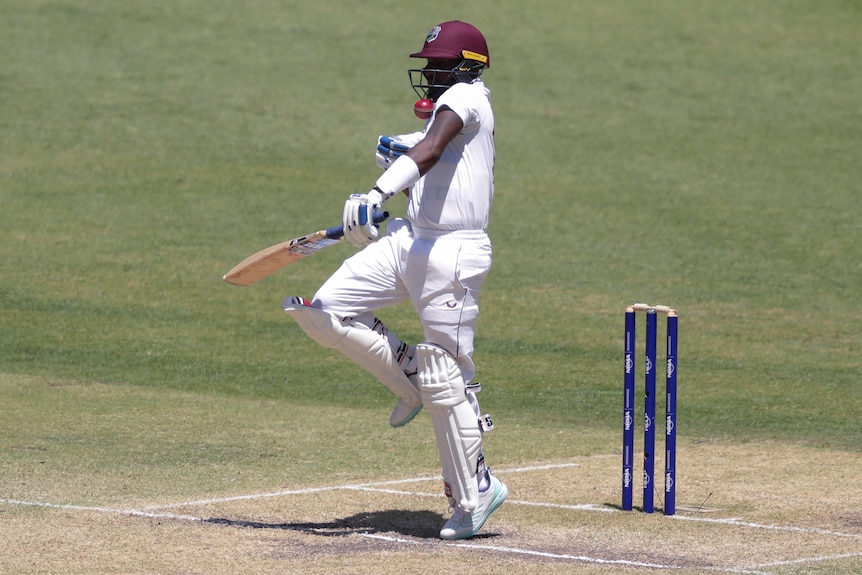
x=430 y=83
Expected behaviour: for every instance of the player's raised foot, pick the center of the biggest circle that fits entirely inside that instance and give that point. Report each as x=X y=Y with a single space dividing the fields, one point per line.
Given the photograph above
x=466 y=524
x=404 y=413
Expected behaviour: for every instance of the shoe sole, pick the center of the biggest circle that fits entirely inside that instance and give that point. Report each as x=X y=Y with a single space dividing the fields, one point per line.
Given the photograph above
x=408 y=419
x=499 y=498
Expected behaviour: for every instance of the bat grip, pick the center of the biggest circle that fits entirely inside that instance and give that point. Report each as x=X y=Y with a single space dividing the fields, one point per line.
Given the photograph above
x=337 y=232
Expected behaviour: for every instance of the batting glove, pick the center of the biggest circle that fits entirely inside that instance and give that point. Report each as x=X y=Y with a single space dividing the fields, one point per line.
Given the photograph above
x=359 y=227
x=389 y=148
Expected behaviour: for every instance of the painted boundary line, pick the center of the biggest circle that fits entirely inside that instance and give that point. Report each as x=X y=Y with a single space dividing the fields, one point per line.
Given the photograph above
x=151 y=512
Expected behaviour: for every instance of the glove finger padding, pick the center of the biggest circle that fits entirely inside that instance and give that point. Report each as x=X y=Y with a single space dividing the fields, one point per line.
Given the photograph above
x=389 y=149
x=358 y=220
x=390 y=146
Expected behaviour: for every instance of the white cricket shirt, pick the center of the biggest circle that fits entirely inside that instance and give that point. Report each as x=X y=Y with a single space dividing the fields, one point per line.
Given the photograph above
x=456 y=194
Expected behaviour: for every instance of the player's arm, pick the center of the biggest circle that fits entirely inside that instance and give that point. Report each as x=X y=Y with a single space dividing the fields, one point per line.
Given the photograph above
x=359 y=228
x=447 y=124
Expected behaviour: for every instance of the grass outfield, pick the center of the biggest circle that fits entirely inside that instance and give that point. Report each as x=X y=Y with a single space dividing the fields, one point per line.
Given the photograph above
x=699 y=154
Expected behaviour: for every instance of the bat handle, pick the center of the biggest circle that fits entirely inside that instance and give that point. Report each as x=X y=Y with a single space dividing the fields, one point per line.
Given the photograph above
x=337 y=232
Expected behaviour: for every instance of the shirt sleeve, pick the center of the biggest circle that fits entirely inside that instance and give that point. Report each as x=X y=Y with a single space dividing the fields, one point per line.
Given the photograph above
x=460 y=99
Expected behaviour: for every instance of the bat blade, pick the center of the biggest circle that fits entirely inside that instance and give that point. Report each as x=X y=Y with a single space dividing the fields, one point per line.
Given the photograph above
x=269 y=260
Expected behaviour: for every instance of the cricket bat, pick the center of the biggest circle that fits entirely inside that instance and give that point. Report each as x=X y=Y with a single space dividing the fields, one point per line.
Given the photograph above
x=269 y=260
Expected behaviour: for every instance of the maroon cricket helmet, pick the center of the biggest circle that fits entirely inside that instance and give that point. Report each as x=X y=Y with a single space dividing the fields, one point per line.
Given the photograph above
x=455 y=40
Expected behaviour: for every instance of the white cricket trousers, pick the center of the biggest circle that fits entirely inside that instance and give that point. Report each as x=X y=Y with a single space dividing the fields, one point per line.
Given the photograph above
x=441 y=274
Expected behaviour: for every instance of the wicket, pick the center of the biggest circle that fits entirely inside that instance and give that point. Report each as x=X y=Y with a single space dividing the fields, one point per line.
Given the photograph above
x=649 y=407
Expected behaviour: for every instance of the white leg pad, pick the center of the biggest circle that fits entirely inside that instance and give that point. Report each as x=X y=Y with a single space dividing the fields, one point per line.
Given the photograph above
x=456 y=427
x=359 y=342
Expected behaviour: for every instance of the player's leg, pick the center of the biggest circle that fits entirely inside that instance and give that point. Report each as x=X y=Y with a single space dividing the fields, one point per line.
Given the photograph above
x=371 y=347
x=448 y=306
x=475 y=492
x=341 y=317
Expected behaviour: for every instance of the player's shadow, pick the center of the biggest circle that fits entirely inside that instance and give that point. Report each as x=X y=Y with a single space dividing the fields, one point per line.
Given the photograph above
x=419 y=524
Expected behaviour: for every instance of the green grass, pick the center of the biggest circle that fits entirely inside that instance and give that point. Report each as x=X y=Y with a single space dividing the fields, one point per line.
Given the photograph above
x=700 y=154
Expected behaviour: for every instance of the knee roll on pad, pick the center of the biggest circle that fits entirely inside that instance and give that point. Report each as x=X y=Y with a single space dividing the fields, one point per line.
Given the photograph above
x=456 y=428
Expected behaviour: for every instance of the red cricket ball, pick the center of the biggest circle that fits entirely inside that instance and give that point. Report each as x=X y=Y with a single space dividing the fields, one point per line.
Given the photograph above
x=423 y=108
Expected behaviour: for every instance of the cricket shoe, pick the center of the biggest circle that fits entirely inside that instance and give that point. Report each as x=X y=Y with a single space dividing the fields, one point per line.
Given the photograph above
x=404 y=413
x=465 y=524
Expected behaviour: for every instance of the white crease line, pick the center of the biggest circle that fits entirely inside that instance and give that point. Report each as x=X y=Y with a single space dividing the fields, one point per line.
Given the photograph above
x=370 y=487
x=191 y=518
x=347 y=487
x=579 y=507
x=580 y=558
x=249 y=496
x=810 y=560
x=602 y=509
x=582 y=507
x=787 y=528
x=539 y=468
x=561 y=556
x=392 y=491
x=133 y=512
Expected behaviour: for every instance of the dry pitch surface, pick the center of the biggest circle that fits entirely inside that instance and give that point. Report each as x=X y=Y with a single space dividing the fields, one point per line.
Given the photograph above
x=774 y=509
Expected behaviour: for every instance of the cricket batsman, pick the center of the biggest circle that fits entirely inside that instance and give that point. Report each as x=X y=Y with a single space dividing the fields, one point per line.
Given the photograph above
x=437 y=258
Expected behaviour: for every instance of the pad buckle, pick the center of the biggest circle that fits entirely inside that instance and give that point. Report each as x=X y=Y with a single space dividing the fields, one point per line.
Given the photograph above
x=485 y=423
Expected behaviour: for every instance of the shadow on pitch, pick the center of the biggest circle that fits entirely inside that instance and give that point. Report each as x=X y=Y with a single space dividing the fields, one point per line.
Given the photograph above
x=419 y=524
